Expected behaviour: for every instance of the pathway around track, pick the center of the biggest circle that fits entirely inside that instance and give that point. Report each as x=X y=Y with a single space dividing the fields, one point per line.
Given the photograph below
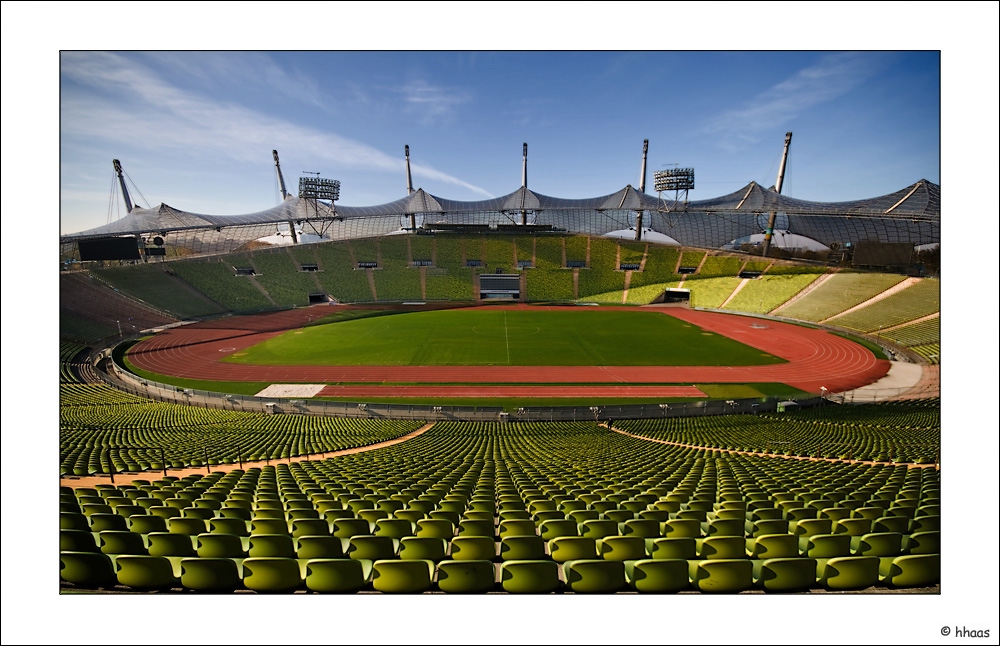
x=909 y=465
x=90 y=481
x=815 y=358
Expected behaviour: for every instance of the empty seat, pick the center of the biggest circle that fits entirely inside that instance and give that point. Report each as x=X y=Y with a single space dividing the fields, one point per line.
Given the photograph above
x=772 y=546
x=319 y=547
x=122 y=542
x=272 y=545
x=721 y=575
x=348 y=527
x=622 y=548
x=912 y=571
x=922 y=543
x=824 y=546
x=878 y=544
x=722 y=547
x=530 y=576
x=88 y=569
x=848 y=572
x=166 y=544
x=469 y=527
x=516 y=528
x=522 y=548
x=146 y=572
x=466 y=576
x=107 y=522
x=189 y=526
x=811 y=526
x=785 y=574
x=435 y=528
x=897 y=524
x=594 y=576
x=372 y=548
x=474 y=548
x=572 y=548
x=146 y=524
x=308 y=527
x=271 y=574
x=227 y=546
x=234 y=526
x=724 y=527
x=657 y=575
x=598 y=528
x=550 y=529
x=853 y=526
x=423 y=548
x=337 y=575
x=69 y=520
x=402 y=576
x=679 y=528
x=74 y=540
x=672 y=548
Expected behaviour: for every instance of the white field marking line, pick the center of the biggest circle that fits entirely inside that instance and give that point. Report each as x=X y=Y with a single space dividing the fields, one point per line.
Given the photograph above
x=505 y=338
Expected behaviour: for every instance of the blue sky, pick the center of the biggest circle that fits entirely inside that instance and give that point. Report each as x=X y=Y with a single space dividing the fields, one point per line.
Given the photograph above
x=196 y=129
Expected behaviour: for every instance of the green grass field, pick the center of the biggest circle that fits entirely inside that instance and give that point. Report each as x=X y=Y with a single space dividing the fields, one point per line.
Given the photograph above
x=501 y=337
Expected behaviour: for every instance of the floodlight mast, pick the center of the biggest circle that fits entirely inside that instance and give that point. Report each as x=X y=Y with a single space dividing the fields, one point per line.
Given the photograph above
x=121 y=180
x=284 y=195
x=769 y=232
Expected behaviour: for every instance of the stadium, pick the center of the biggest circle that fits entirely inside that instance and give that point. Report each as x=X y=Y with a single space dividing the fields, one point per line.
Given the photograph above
x=434 y=396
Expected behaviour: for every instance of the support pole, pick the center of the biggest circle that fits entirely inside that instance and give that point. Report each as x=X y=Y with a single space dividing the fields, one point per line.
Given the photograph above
x=642 y=173
x=409 y=177
x=121 y=180
x=769 y=232
x=284 y=194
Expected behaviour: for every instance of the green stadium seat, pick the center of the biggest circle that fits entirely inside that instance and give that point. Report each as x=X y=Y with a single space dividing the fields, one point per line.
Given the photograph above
x=337 y=575
x=622 y=548
x=530 y=576
x=271 y=546
x=423 y=548
x=466 y=576
x=594 y=576
x=522 y=548
x=372 y=548
x=166 y=544
x=785 y=574
x=271 y=574
x=122 y=542
x=213 y=546
x=824 y=546
x=672 y=548
x=74 y=540
x=721 y=575
x=87 y=569
x=403 y=576
x=911 y=571
x=657 y=575
x=146 y=572
x=474 y=548
x=771 y=546
x=572 y=548
x=848 y=572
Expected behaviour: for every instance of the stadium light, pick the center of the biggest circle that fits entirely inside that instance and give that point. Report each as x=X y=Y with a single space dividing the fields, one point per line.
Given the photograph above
x=319 y=188
x=674 y=179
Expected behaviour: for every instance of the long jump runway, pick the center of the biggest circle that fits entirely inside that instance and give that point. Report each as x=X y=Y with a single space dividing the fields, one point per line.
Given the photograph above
x=815 y=359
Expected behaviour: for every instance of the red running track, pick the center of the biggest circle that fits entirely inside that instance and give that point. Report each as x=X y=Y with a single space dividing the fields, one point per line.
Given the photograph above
x=815 y=358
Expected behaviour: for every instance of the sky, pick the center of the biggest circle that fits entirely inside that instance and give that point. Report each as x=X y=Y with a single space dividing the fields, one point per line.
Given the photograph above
x=878 y=96
x=195 y=129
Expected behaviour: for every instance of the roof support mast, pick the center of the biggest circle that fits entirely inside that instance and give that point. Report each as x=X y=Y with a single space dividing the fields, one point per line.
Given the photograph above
x=642 y=189
x=524 y=182
x=121 y=180
x=284 y=193
x=409 y=186
x=769 y=232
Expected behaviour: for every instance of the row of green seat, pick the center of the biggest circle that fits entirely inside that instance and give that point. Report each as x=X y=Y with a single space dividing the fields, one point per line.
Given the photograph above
x=277 y=574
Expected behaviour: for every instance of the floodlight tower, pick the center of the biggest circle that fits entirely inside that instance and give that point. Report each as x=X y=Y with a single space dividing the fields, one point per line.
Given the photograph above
x=677 y=180
x=769 y=232
x=284 y=193
x=314 y=189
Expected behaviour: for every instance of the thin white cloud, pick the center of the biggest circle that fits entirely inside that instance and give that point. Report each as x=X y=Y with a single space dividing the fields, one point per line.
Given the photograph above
x=431 y=103
x=132 y=105
x=828 y=79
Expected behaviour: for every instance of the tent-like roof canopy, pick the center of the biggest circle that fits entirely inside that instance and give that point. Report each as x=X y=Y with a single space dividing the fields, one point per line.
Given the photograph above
x=911 y=214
